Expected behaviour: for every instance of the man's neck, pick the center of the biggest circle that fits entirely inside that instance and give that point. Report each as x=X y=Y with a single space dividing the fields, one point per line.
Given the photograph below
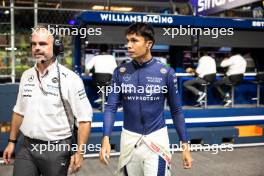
x=42 y=67
x=143 y=59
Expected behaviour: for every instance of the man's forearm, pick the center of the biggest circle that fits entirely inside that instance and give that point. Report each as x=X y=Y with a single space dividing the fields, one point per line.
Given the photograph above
x=83 y=134
x=16 y=122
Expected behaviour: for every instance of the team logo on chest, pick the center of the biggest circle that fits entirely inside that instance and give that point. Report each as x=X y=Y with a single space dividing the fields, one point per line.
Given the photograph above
x=127 y=77
x=54 y=80
x=31 y=78
x=122 y=70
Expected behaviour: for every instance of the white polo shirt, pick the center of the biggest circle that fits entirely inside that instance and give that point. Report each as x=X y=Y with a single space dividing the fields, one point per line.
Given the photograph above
x=102 y=64
x=236 y=65
x=206 y=66
x=39 y=102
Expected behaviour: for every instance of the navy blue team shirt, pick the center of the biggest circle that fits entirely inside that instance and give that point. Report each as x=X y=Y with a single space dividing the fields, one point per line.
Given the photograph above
x=142 y=89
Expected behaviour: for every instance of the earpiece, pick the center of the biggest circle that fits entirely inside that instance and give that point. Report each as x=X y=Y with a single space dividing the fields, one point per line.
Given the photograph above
x=57 y=46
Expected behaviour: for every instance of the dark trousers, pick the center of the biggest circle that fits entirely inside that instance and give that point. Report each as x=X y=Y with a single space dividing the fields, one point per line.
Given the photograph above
x=101 y=80
x=192 y=85
x=224 y=84
x=33 y=160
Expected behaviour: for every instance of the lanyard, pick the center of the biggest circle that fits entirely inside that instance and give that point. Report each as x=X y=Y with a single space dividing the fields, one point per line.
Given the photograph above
x=161 y=151
x=40 y=83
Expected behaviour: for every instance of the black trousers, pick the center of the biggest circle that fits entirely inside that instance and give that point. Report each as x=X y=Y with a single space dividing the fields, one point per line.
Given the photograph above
x=223 y=85
x=38 y=157
x=192 y=85
x=102 y=79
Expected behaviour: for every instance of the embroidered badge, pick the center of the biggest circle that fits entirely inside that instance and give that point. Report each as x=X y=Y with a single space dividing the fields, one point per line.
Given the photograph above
x=54 y=80
x=122 y=69
x=31 y=78
x=127 y=77
x=163 y=70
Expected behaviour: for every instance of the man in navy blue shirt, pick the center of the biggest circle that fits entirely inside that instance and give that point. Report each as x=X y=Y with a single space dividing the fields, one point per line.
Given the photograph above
x=142 y=86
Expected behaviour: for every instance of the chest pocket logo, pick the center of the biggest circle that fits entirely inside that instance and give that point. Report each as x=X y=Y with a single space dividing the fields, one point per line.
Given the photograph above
x=127 y=77
x=54 y=80
x=31 y=78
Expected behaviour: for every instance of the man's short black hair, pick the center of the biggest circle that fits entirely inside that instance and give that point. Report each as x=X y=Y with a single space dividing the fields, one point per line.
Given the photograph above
x=142 y=29
x=204 y=52
x=103 y=48
x=235 y=51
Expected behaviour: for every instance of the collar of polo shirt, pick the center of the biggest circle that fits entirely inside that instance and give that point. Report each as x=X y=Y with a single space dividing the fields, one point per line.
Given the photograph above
x=48 y=69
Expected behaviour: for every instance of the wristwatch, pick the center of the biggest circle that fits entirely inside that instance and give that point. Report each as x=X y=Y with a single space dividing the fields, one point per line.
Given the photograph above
x=13 y=141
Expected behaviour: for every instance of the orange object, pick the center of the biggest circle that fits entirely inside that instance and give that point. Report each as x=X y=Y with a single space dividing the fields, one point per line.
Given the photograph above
x=249 y=131
x=5 y=127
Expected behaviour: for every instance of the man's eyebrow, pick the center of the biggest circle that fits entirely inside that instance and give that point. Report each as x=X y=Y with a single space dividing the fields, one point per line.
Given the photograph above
x=41 y=42
x=132 y=38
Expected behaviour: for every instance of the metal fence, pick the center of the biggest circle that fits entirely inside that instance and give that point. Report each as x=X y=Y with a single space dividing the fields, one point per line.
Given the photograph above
x=26 y=18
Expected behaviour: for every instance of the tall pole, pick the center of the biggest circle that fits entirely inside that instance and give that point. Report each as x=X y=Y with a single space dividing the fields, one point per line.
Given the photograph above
x=173 y=7
x=109 y=5
x=35 y=13
x=13 y=65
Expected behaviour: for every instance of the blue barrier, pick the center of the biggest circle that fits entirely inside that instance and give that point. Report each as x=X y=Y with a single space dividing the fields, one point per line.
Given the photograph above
x=244 y=92
x=224 y=134
x=8 y=95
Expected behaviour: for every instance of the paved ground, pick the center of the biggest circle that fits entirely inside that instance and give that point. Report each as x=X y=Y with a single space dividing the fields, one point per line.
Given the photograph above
x=240 y=162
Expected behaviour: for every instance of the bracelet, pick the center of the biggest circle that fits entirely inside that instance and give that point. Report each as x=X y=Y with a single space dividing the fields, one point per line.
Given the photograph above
x=13 y=141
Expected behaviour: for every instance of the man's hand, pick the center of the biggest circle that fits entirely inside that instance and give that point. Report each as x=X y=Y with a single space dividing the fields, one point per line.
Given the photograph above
x=189 y=70
x=186 y=156
x=14 y=133
x=8 y=152
x=76 y=162
x=105 y=150
x=77 y=158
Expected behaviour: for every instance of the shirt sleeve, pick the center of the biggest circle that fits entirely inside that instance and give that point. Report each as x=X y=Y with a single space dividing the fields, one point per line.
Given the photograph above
x=114 y=64
x=81 y=107
x=200 y=68
x=175 y=106
x=90 y=64
x=226 y=62
x=19 y=107
x=111 y=106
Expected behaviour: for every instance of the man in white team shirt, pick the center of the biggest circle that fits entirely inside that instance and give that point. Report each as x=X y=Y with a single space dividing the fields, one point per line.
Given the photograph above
x=104 y=65
x=40 y=115
x=205 y=72
x=236 y=67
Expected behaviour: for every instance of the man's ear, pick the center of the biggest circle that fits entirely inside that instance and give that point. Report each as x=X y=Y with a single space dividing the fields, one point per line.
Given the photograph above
x=149 y=44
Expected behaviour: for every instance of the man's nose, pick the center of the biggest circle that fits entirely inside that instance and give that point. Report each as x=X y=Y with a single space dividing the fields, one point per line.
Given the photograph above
x=128 y=45
x=36 y=47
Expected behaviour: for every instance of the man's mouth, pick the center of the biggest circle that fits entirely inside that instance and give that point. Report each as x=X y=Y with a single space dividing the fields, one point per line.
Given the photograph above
x=130 y=52
x=38 y=55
